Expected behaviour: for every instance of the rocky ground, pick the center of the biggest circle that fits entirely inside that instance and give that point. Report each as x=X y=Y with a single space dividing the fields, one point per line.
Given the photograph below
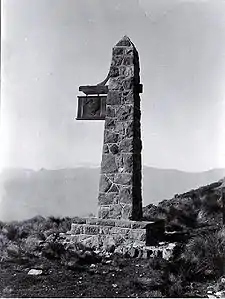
x=112 y=277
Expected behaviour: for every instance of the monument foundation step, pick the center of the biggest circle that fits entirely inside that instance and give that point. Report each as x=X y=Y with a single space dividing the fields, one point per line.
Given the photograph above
x=96 y=232
x=113 y=222
x=136 y=234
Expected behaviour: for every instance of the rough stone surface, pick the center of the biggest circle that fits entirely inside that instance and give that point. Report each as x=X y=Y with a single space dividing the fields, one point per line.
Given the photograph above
x=122 y=138
x=104 y=212
x=120 y=233
x=108 y=164
x=126 y=241
x=114 y=233
x=108 y=199
x=105 y=183
x=123 y=179
x=125 y=195
x=77 y=228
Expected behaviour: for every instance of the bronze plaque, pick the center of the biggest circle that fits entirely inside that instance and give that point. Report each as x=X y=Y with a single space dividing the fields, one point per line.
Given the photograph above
x=91 y=107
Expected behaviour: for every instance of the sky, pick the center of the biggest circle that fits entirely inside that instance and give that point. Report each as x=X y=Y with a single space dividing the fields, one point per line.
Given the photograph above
x=51 y=47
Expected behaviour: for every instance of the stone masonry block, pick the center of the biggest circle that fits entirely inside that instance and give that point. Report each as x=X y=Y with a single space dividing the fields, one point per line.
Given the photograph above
x=79 y=220
x=123 y=178
x=83 y=237
x=128 y=163
x=116 y=85
x=122 y=70
x=74 y=238
x=125 y=42
x=106 y=222
x=128 y=99
x=77 y=228
x=124 y=163
x=105 y=230
x=129 y=51
x=128 y=83
x=114 y=97
x=109 y=123
x=114 y=149
x=92 y=221
x=108 y=198
x=128 y=60
x=117 y=60
x=105 y=149
x=127 y=211
x=125 y=113
x=123 y=223
x=118 y=51
x=110 y=111
x=125 y=195
x=120 y=230
x=114 y=71
x=105 y=184
x=103 y=212
x=108 y=164
x=114 y=189
x=126 y=71
x=110 y=136
x=137 y=234
x=129 y=71
x=92 y=242
x=126 y=145
x=91 y=229
x=120 y=129
x=115 y=211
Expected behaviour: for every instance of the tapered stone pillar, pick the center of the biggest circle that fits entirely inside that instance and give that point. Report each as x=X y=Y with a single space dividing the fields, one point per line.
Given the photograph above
x=120 y=179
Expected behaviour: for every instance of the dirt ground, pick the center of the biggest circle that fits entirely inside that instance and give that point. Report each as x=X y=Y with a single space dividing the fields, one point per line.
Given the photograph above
x=110 y=278
x=99 y=280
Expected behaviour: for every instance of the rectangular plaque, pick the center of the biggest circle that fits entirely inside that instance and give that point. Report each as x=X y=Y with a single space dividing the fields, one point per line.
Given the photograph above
x=91 y=107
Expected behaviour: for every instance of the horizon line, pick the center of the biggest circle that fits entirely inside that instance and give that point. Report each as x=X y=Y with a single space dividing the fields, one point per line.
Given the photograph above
x=98 y=166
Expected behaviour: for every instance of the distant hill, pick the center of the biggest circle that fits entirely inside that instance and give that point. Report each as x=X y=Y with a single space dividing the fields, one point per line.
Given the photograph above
x=70 y=192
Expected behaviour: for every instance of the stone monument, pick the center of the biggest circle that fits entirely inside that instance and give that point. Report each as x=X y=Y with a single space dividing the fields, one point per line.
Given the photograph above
x=120 y=181
x=120 y=199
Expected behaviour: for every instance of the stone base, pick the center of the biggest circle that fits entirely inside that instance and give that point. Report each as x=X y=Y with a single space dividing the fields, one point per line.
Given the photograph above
x=108 y=233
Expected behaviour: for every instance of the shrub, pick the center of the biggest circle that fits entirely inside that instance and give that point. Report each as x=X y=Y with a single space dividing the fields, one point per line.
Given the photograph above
x=186 y=216
x=12 y=232
x=204 y=256
x=1 y=224
x=157 y=263
x=53 y=250
x=175 y=287
x=54 y=219
x=210 y=202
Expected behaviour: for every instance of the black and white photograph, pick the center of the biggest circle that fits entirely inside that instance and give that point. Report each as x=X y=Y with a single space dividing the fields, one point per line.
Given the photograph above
x=112 y=149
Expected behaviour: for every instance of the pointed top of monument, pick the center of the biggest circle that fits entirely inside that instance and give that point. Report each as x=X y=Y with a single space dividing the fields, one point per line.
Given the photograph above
x=125 y=41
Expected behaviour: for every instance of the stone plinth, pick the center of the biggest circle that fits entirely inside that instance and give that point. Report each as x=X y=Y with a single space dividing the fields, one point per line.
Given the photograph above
x=98 y=233
x=120 y=179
